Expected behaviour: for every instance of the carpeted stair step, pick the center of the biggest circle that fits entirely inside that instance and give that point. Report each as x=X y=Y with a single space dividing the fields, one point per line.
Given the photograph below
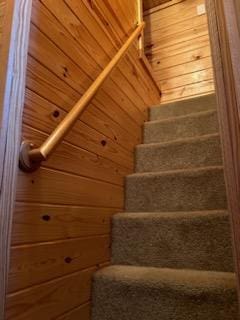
x=172 y=250
x=180 y=108
x=181 y=154
x=192 y=125
x=133 y=293
x=182 y=240
x=178 y=190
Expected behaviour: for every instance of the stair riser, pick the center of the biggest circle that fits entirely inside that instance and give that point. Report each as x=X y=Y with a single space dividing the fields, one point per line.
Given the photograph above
x=183 y=155
x=197 y=242
x=176 y=192
x=181 y=128
x=184 y=107
x=116 y=301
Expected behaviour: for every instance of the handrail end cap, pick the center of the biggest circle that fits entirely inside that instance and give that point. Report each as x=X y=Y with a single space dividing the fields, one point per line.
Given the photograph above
x=25 y=162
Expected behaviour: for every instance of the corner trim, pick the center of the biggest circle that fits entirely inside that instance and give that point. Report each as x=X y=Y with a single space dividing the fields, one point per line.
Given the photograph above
x=12 y=90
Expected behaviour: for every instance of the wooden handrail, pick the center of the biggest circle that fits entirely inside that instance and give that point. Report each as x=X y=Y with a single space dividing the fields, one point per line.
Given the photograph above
x=140 y=20
x=30 y=157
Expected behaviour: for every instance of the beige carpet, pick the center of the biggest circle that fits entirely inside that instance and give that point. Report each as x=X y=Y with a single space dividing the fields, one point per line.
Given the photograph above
x=171 y=251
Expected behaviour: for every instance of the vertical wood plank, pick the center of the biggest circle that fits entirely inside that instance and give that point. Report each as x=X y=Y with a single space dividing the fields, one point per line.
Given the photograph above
x=12 y=79
x=225 y=42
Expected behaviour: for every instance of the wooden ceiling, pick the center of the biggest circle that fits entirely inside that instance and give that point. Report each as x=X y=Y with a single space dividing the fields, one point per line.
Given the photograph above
x=148 y=4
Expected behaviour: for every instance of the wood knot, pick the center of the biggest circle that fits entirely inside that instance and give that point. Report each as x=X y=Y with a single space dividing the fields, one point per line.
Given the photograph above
x=68 y=259
x=103 y=143
x=46 y=217
x=56 y=113
x=65 y=73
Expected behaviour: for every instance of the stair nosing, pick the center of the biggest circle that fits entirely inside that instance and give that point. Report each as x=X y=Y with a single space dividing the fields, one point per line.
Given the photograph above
x=192 y=278
x=171 y=215
x=178 y=141
x=182 y=101
x=174 y=172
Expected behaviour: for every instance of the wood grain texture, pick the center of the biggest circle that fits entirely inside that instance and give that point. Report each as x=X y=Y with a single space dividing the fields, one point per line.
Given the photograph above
x=161 y=6
x=55 y=222
x=31 y=265
x=51 y=299
x=56 y=187
x=224 y=28
x=39 y=114
x=177 y=46
x=40 y=79
x=62 y=218
x=68 y=156
x=2 y=16
x=82 y=312
x=148 y=4
x=12 y=87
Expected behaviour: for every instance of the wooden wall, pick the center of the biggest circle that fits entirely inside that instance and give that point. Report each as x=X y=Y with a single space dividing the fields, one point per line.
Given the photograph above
x=177 y=45
x=61 y=225
x=148 y=4
x=2 y=11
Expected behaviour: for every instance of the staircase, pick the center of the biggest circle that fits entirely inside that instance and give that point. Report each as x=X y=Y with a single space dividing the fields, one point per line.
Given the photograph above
x=171 y=252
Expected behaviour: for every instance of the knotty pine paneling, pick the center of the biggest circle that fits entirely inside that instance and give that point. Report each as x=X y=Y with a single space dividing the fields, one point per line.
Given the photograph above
x=62 y=221
x=51 y=299
x=66 y=222
x=51 y=260
x=177 y=46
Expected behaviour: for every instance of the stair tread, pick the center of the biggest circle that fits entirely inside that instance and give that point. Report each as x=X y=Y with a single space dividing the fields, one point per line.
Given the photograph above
x=130 y=292
x=176 y=190
x=195 y=104
x=182 y=240
x=185 y=153
x=185 y=281
x=190 y=115
x=179 y=141
x=186 y=106
x=194 y=99
x=191 y=125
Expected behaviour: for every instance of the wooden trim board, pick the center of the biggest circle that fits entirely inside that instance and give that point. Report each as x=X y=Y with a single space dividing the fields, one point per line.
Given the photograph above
x=149 y=70
x=225 y=42
x=12 y=79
